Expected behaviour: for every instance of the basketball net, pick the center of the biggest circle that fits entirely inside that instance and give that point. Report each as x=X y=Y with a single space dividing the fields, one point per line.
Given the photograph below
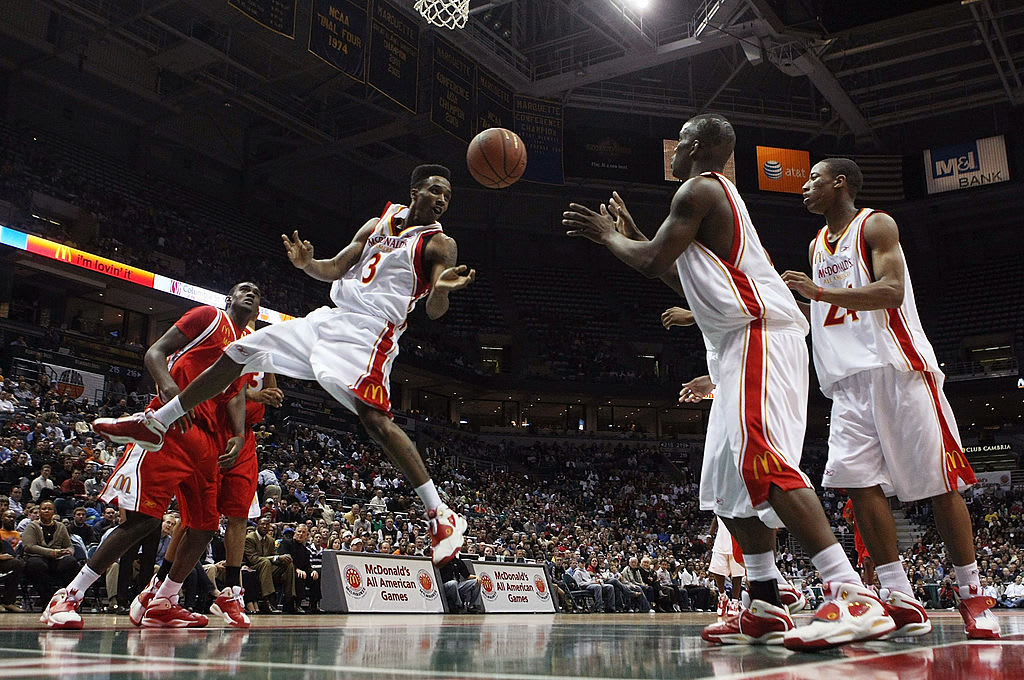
x=447 y=13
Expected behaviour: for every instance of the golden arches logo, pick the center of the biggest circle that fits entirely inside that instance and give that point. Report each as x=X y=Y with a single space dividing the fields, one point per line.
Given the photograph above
x=764 y=460
x=374 y=394
x=955 y=459
x=62 y=253
x=123 y=483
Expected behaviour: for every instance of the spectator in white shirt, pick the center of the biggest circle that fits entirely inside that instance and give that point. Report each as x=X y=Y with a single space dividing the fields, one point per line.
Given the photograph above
x=1013 y=596
x=40 y=483
x=378 y=503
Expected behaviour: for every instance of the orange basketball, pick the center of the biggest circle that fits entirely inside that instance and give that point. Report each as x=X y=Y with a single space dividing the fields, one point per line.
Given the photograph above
x=496 y=158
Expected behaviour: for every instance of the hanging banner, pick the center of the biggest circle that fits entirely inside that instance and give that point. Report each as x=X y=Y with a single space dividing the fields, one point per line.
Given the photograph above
x=493 y=103
x=337 y=34
x=784 y=170
x=539 y=124
x=276 y=15
x=970 y=164
x=394 y=55
x=452 y=95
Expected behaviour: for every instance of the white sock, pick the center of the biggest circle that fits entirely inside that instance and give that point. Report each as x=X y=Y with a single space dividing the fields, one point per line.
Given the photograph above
x=236 y=591
x=894 y=577
x=967 y=576
x=427 y=493
x=76 y=589
x=169 y=412
x=169 y=589
x=833 y=565
x=760 y=567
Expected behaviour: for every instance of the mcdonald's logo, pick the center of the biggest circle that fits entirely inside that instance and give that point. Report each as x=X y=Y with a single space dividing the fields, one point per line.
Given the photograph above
x=763 y=459
x=955 y=459
x=62 y=253
x=374 y=394
x=123 y=483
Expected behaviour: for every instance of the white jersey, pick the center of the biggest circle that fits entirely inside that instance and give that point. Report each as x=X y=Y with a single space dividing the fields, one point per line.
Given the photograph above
x=727 y=295
x=389 y=277
x=847 y=341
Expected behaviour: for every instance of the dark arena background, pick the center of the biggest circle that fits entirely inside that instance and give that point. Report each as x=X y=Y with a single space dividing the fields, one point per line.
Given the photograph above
x=152 y=152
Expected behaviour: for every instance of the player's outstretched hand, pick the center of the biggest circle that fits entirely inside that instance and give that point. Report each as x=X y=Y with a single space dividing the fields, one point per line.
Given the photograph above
x=696 y=389
x=299 y=252
x=624 y=223
x=231 y=451
x=801 y=283
x=455 y=278
x=598 y=225
x=676 y=316
x=271 y=396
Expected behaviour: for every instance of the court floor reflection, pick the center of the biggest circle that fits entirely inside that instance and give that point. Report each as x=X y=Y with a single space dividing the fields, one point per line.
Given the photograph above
x=494 y=646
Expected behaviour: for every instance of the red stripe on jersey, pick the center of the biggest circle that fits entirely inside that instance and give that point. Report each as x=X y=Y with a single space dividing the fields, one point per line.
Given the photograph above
x=385 y=211
x=746 y=290
x=422 y=279
x=953 y=458
x=761 y=464
x=737 y=226
x=737 y=552
x=370 y=388
x=863 y=247
x=906 y=342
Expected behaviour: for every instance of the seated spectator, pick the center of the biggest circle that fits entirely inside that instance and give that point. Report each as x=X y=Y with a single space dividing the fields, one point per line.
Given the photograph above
x=10 y=565
x=378 y=503
x=389 y=532
x=604 y=593
x=42 y=486
x=461 y=589
x=276 y=573
x=307 y=579
x=48 y=552
x=363 y=525
x=1013 y=596
x=79 y=528
x=108 y=520
x=353 y=514
x=31 y=514
x=14 y=501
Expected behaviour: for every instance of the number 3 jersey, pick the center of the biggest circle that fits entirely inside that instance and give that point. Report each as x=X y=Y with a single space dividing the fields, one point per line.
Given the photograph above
x=390 y=277
x=846 y=341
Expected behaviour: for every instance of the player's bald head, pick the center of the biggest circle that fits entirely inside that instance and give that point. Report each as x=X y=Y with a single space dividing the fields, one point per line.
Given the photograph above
x=715 y=134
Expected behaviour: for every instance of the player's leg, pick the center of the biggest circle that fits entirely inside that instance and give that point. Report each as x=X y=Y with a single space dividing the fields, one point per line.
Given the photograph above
x=446 y=527
x=229 y=603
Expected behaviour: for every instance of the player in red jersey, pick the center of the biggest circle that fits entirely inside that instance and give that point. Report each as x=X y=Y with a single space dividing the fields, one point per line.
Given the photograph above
x=144 y=483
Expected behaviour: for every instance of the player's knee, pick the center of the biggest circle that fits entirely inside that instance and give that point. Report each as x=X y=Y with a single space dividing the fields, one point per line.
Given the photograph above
x=375 y=422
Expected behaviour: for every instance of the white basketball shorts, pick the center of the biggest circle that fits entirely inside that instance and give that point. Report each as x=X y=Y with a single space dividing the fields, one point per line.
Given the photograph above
x=348 y=353
x=756 y=426
x=895 y=429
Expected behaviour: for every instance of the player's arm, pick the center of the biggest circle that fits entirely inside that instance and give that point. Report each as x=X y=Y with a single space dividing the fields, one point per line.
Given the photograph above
x=441 y=255
x=654 y=258
x=300 y=253
x=155 y=361
x=236 y=419
x=885 y=292
x=271 y=394
x=626 y=225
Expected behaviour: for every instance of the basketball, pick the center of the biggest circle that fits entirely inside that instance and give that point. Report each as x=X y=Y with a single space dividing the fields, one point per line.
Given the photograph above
x=496 y=158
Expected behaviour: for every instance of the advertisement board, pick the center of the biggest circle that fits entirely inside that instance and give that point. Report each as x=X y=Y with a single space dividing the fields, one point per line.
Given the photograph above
x=519 y=588
x=362 y=582
x=784 y=170
x=971 y=164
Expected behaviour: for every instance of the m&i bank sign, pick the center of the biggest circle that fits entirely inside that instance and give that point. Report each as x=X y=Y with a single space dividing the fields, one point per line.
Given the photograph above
x=970 y=164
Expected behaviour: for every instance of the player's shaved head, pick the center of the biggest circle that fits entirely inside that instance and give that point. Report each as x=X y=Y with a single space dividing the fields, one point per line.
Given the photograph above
x=715 y=133
x=423 y=172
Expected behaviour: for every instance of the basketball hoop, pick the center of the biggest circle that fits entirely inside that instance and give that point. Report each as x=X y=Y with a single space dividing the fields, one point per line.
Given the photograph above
x=447 y=13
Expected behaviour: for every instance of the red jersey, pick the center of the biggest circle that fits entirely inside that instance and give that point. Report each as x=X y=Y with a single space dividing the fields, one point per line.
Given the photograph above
x=254 y=411
x=209 y=331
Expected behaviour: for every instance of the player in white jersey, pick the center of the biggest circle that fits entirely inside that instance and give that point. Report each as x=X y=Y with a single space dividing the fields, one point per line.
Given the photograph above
x=392 y=262
x=893 y=431
x=754 y=329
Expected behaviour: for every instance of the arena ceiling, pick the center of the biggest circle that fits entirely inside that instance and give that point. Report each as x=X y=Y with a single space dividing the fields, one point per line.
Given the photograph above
x=203 y=74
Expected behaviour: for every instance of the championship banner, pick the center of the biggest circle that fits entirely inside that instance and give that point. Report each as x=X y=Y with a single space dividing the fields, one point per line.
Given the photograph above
x=517 y=588
x=394 y=55
x=362 y=582
x=452 y=95
x=76 y=383
x=539 y=124
x=784 y=170
x=971 y=164
x=337 y=34
x=276 y=15
x=493 y=103
x=119 y=270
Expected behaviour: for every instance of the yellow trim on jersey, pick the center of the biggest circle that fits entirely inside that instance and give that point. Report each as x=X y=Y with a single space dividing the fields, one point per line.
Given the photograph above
x=832 y=251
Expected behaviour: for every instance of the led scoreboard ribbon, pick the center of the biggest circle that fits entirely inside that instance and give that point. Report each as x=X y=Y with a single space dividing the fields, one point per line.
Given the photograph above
x=118 y=270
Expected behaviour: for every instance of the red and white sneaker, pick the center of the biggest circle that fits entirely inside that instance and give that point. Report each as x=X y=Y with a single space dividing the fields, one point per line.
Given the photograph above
x=723 y=606
x=162 y=613
x=853 y=613
x=137 y=609
x=792 y=598
x=761 y=624
x=976 y=609
x=141 y=429
x=231 y=608
x=446 y=533
x=907 y=612
x=61 y=612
